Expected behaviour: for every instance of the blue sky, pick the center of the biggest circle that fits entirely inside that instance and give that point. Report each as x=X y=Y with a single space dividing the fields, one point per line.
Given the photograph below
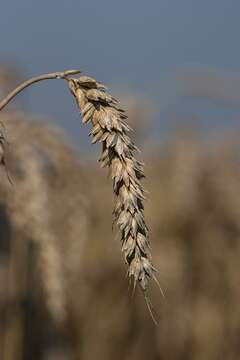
x=144 y=46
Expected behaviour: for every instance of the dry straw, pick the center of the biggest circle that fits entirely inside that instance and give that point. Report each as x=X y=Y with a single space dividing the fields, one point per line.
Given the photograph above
x=109 y=127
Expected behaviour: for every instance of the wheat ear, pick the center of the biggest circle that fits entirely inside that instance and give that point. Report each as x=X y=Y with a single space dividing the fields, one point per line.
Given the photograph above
x=111 y=130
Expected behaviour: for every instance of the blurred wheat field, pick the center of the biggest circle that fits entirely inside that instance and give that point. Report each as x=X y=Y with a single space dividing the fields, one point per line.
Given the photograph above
x=64 y=294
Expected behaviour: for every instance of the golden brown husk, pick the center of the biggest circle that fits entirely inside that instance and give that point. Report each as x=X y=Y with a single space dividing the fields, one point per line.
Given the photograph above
x=111 y=130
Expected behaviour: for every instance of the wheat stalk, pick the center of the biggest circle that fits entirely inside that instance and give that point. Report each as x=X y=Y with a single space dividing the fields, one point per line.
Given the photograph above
x=111 y=130
x=46 y=172
x=33 y=219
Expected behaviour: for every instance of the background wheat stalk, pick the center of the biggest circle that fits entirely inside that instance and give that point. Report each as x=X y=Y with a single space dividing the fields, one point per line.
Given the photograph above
x=111 y=130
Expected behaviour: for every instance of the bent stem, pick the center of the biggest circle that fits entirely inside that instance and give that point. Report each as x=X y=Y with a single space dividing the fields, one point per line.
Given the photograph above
x=25 y=84
x=55 y=75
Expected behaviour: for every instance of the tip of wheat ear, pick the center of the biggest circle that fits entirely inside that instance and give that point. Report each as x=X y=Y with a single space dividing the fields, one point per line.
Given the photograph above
x=109 y=128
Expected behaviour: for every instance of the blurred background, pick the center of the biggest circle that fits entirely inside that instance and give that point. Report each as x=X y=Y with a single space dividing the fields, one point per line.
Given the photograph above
x=175 y=65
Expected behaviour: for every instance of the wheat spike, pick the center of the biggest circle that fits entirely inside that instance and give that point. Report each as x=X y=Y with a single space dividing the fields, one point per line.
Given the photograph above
x=110 y=128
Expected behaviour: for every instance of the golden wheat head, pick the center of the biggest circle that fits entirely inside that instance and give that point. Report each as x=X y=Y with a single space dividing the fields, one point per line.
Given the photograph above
x=111 y=130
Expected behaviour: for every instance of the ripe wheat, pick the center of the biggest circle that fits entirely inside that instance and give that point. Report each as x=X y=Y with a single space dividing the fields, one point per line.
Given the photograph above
x=45 y=170
x=111 y=130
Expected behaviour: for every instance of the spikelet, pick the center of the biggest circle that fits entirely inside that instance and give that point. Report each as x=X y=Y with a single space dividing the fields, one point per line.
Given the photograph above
x=110 y=128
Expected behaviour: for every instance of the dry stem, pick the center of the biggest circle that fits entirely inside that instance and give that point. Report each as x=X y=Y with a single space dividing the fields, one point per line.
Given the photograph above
x=25 y=84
